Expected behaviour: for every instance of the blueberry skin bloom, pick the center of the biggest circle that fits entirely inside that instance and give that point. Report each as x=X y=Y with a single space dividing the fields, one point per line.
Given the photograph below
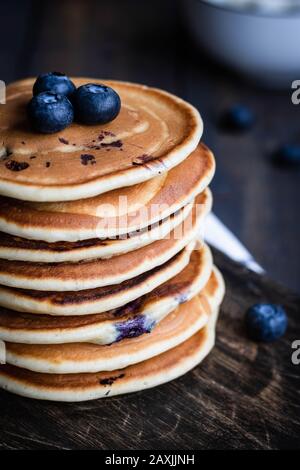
x=266 y=322
x=56 y=82
x=96 y=104
x=50 y=112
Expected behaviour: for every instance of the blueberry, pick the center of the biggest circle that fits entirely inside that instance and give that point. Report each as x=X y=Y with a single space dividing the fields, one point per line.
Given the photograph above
x=266 y=322
x=96 y=104
x=237 y=118
x=134 y=327
x=54 y=81
x=50 y=112
x=287 y=154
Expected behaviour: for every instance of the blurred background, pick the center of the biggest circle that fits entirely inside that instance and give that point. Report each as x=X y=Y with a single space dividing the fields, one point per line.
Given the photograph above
x=188 y=48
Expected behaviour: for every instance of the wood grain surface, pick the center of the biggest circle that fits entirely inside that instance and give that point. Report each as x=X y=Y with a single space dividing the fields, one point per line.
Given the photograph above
x=243 y=396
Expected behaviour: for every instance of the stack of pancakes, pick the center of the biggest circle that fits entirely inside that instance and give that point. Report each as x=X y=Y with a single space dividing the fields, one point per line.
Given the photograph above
x=106 y=287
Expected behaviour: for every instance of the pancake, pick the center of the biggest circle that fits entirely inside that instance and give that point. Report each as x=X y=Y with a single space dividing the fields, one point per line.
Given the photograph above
x=103 y=298
x=174 y=329
x=144 y=375
x=115 y=213
x=130 y=320
x=154 y=132
x=91 y=274
x=37 y=251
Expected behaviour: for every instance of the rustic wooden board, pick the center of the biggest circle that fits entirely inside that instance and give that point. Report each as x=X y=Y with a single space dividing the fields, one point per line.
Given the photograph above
x=243 y=396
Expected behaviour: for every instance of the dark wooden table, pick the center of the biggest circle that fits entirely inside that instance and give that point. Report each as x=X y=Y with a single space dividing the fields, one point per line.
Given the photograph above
x=243 y=396
x=147 y=42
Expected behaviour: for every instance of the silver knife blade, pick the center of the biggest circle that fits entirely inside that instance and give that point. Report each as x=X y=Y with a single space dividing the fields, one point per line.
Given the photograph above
x=218 y=235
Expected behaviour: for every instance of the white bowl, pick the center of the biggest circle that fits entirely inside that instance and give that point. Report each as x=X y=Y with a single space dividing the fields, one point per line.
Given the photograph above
x=262 y=46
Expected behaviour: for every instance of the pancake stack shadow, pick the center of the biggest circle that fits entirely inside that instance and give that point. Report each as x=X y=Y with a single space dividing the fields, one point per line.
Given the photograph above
x=105 y=284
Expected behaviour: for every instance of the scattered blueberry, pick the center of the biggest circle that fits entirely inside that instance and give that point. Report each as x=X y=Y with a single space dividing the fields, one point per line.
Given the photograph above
x=266 y=322
x=50 y=112
x=237 y=118
x=287 y=154
x=96 y=104
x=55 y=82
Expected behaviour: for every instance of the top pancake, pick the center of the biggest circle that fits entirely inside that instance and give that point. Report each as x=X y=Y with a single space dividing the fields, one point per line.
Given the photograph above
x=154 y=132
